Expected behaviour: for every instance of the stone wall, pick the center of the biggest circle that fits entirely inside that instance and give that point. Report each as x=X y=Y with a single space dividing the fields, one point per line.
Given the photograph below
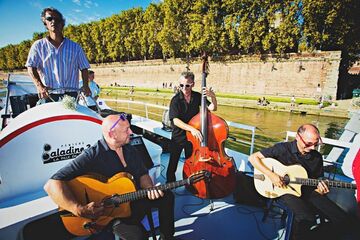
x=302 y=75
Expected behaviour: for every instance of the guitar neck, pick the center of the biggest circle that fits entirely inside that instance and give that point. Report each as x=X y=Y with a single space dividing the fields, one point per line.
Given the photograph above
x=132 y=196
x=315 y=182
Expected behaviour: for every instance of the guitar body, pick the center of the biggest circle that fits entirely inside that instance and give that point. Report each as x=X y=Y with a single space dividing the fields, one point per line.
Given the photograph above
x=115 y=194
x=264 y=185
x=95 y=188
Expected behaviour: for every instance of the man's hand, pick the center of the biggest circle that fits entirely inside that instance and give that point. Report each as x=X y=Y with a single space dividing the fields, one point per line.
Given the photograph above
x=86 y=90
x=196 y=133
x=209 y=92
x=91 y=210
x=155 y=194
x=322 y=188
x=277 y=180
x=42 y=91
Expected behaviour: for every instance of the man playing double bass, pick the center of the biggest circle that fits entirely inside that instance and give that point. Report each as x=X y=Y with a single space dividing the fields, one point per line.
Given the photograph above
x=183 y=107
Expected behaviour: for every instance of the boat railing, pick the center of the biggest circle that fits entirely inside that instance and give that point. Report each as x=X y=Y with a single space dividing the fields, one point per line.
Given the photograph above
x=146 y=110
x=326 y=141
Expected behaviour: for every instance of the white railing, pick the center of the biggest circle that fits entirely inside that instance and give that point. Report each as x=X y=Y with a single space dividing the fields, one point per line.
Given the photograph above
x=146 y=106
x=347 y=161
x=245 y=127
x=325 y=140
x=147 y=113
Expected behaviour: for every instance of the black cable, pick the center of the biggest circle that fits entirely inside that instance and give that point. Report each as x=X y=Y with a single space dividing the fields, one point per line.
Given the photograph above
x=253 y=214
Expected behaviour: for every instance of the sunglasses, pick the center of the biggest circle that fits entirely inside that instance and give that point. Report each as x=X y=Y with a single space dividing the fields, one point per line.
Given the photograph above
x=187 y=85
x=307 y=145
x=50 y=19
x=122 y=117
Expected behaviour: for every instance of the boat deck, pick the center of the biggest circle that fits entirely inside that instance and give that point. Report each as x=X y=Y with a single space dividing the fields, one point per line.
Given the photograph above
x=197 y=218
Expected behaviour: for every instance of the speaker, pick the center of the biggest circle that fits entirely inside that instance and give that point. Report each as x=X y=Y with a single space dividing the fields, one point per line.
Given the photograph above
x=138 y=143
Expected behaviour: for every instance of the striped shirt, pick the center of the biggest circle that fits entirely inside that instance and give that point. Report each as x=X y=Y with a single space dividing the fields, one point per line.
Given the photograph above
x=58 y=67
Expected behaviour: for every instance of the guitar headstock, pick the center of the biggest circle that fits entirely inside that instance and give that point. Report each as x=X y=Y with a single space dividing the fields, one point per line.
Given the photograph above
x=198 y=176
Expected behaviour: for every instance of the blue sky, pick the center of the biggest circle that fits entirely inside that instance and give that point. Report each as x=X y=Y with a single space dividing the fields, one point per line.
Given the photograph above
x=21 y=18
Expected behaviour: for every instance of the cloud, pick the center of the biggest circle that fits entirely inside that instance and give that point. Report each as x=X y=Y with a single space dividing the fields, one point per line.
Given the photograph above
x=90 y=4
x=77 y=2
x=76 y=18
x=37 y=5
x=77 y=10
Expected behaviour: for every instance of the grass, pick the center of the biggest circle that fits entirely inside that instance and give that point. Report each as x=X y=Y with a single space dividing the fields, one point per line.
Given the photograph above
x=305 y=101
x=138 y=89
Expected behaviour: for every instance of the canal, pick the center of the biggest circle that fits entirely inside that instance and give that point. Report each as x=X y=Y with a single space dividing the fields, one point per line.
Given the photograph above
x=271 y=126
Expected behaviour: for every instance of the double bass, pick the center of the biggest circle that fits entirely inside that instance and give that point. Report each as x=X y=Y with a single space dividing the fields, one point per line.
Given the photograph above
x=209 y=154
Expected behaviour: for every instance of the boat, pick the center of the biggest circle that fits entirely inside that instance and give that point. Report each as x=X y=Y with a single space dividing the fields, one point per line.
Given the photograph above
x=37 y=140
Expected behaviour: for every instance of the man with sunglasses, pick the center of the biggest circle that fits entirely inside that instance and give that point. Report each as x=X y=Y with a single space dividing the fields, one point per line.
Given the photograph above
x=303 y=151
x=110 y=155
x=183 y=107
x=54 y=61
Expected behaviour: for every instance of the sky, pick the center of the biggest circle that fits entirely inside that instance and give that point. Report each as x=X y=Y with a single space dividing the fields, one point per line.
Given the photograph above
x=19 y=19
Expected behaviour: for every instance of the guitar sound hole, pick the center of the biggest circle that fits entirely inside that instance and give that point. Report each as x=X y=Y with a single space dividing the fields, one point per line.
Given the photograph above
x=89 y=225
x=286 y=179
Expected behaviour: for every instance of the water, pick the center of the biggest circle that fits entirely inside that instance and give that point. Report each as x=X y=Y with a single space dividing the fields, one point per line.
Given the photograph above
x=270 y=126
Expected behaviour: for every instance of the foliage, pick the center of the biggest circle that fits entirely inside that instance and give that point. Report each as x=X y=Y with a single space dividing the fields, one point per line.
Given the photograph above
x=173 y=28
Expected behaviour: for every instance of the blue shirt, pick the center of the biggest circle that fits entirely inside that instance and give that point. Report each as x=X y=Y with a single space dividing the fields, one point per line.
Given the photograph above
x=58 y=67
x=95 y=91
x=100 y=159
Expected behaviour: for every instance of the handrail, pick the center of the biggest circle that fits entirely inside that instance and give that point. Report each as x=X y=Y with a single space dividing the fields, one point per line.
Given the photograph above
x=232 y=124
x=245 y=127
x=329 y=141
x=146 y=105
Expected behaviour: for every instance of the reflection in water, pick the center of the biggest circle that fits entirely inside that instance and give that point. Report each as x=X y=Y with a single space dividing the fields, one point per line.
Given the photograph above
x=271 y=126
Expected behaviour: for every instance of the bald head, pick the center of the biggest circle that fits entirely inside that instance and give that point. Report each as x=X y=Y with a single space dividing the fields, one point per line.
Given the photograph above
x=116 y=131
x=107 y=123
x=307 y=138
x=308 y=129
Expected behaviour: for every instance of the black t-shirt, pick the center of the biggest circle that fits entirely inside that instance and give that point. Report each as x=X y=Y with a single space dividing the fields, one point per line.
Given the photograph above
x=100 y=159
x=184 y=111
x=288 y=154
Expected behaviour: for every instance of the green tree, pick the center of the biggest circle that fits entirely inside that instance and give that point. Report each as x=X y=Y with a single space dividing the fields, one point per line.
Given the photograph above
x=132 y=20
x=206 y=26
x=174 y=35
x=11 y=56
x=23 y=50
x=100 y=53
x=153 y=19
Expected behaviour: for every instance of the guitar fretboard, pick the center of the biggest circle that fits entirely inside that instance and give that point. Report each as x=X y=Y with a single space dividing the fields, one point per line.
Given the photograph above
x=128 y=197
x=315 y=182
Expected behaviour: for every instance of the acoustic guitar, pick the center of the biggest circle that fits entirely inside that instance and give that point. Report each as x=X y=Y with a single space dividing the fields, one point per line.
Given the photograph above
x=294 y=177
x=115 y=194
